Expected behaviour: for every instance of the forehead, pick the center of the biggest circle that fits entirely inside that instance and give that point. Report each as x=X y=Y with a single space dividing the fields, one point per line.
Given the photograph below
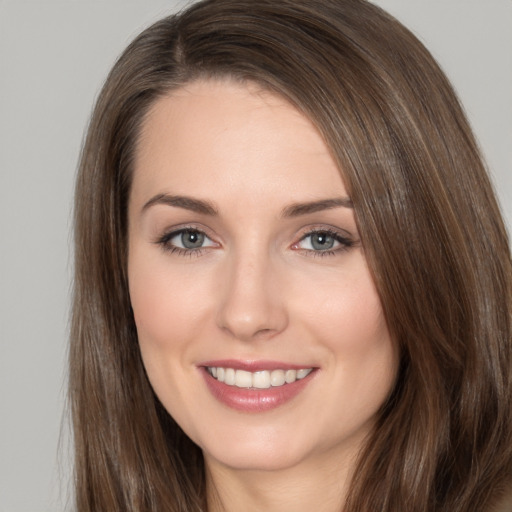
x=222 y=135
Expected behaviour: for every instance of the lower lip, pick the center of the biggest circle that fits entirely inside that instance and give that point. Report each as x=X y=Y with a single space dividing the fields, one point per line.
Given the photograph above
x=254 y=400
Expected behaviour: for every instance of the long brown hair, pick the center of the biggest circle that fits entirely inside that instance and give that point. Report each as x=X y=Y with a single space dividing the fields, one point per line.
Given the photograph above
x=429 y=223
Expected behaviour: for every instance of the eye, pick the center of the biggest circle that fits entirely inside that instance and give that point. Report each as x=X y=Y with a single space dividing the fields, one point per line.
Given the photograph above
x=319 y=241
x=323 y=241
x=189 y=239
x=185 y=240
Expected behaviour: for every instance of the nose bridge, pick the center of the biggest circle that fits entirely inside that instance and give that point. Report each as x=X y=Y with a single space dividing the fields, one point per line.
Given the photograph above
x=250 y=305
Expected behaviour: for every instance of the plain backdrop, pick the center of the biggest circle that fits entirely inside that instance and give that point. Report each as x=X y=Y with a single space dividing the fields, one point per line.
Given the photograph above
x=54 y=56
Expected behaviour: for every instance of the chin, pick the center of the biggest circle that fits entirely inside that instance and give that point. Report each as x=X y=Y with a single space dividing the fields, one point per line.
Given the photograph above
x=246 y=446
x=252 y=458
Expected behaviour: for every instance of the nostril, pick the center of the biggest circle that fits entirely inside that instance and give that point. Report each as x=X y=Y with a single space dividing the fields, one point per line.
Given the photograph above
x=263 y=332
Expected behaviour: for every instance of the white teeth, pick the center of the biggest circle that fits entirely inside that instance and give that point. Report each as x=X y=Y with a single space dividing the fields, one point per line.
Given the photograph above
x=290 y=376
x=277 y=378
x=243 y=379
x=303 y=373
x=230 y=377
x=263 y=379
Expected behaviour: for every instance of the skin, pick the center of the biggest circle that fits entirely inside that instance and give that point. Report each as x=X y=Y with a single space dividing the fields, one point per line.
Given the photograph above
x=256 y=290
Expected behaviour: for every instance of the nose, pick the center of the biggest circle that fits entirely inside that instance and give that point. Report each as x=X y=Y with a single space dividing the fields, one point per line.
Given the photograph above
x=252 y=306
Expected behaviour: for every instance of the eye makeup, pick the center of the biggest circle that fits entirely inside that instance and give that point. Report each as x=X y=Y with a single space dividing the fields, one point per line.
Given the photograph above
x=186 y=241
x=316 y=241
x=323 y=242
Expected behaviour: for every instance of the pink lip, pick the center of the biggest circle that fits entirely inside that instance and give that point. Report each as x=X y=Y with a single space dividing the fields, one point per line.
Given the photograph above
x=253 y=400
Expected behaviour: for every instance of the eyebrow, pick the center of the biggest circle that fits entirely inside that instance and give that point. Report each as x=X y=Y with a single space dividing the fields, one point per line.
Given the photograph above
x=206 y=208
x=188 y=203
x=297 y=209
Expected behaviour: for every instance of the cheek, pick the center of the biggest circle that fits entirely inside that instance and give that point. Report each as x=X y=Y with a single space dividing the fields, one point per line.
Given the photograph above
x=166 y=303
x=362 y=327
x=345 y=316
x=345 y=310
x=362 y=341
x=168 y=318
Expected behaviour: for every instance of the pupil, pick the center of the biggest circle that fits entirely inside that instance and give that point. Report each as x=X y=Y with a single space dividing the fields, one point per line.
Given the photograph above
x=192 y=239
x=322 y=241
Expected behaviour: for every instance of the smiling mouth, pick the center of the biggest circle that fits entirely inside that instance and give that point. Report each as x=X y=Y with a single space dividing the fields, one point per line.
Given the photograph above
x=263 y=379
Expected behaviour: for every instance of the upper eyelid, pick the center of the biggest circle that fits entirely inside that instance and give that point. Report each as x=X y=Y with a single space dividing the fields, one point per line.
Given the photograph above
x=175 y=230
x=325 y=228
x=340 y=238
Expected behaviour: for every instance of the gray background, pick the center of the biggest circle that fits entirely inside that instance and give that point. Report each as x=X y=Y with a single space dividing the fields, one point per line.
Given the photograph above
x=54 y=56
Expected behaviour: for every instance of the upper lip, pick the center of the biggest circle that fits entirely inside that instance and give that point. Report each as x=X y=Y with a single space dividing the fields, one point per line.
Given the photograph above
x=253 y=365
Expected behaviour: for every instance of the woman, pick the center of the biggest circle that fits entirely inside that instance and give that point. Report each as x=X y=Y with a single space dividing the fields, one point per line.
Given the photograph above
x=292 y=278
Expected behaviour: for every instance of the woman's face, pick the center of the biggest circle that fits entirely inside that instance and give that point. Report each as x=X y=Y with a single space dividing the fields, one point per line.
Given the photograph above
x=259 y=324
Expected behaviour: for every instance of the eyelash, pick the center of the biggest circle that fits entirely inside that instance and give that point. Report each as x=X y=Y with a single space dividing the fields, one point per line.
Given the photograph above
x=164 y=242
x=345 y=242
